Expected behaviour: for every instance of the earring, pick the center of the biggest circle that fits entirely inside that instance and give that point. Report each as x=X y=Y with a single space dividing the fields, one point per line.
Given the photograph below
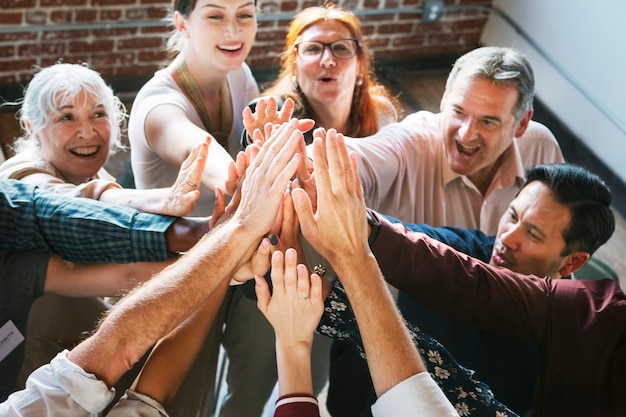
x=294 y=83
x=359 y=81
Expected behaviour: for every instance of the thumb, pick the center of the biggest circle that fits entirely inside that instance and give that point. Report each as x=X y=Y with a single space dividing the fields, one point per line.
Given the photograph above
x=262 y=293
x=304 y=210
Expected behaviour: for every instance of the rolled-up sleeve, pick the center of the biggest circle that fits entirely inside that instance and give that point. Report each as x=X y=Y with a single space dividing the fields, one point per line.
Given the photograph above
x=418 y=395
x=79 y=229
x=60 y=388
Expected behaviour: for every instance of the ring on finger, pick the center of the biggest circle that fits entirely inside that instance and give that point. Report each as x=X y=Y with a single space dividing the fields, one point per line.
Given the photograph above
x=304 y=298
x=190 y=184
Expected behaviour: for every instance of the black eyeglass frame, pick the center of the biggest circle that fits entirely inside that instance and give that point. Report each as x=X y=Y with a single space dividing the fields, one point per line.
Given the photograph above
x=328 y=45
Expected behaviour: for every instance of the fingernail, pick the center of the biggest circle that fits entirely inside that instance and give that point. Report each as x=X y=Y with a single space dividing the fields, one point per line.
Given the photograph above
x=273 y=239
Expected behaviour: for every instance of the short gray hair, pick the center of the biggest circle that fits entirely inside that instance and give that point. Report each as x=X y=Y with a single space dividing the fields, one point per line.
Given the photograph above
x=502 y=66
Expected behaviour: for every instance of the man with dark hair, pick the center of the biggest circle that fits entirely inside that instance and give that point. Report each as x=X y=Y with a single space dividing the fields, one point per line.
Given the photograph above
x=560 y=217
x=556 y=222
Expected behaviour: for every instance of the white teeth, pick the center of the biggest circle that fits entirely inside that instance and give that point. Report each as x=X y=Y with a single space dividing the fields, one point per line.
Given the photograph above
x=468 y=150
x=85 y=151
x=230 y=47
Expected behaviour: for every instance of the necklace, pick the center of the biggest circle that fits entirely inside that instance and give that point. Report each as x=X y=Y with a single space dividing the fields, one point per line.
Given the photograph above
x=191 y=89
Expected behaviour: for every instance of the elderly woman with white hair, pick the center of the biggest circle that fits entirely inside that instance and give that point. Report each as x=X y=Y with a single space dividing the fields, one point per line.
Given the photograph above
x=72 y=122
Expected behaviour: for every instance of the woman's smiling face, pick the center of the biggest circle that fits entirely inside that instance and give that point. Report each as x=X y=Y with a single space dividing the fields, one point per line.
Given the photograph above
x=76 y=139
x=327 y=78
x=221 y=31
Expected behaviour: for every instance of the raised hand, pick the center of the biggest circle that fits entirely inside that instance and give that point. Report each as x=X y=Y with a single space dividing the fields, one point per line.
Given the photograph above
x=183 y=194
x=267 y=113
x=267 y=177
x=337 y=227
x=296 y=305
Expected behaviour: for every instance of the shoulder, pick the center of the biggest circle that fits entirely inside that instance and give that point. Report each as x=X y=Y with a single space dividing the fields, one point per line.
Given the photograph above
x=386 y=112
x=539 y=145
x=538 y=131
x=24 y=164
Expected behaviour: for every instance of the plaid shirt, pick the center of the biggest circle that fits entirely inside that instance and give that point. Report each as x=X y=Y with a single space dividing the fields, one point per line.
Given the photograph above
x=78 y=229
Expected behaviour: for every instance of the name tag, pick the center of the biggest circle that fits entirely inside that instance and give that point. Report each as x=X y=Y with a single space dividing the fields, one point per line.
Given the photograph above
x=10 y=338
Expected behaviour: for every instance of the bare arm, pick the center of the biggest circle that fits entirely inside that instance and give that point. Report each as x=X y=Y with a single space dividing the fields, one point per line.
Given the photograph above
x=177 y=200
x=172 y=136
x=156 y=308
x=97 y=280
x=338 y=230
x=294 y=310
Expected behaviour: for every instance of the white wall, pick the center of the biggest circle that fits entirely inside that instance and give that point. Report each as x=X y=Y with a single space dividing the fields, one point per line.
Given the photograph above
x=587 y=39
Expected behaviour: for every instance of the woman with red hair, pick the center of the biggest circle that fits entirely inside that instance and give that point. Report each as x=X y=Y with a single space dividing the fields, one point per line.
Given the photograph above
x=326 y=75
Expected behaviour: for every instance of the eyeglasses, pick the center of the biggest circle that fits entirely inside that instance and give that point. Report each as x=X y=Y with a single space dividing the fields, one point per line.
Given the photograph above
x=341 y=49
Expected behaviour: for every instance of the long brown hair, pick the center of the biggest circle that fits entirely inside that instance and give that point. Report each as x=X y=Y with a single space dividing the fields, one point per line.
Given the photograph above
x=363 y=119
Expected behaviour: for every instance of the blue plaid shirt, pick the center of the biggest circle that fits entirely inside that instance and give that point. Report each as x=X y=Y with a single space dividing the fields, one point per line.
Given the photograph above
x=78 y=229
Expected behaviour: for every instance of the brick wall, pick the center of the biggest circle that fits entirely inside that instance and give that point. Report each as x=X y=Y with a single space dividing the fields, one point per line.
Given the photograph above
x=39 y=32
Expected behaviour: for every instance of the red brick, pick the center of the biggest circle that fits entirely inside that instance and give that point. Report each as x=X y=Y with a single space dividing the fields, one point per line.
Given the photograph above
x=371 y=4
x=73 y=34
x=139 y=43
x=86 y=15
x=10 y=18
x=110 y=14
x=61 y=16
x=41 y=49
x=78 y=47
x=397 y=28
x=38 y=17
x=111 y=2
x=156 y=55
x=288 y=6
x=14 y=37
x=48 y=3
x=22 y=64
x=7 y=51
x=17 y=4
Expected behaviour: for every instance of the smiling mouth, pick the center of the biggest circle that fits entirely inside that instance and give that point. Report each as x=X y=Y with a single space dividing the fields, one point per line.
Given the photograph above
x=467 y=150
x=85 y=151
x=230 y=48
x=500 y=260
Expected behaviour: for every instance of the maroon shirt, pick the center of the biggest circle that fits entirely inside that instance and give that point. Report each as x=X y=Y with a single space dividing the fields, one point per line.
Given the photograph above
x=579 y=326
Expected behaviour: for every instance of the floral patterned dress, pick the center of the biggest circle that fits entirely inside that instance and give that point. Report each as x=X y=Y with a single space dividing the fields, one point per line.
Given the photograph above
x=469 y=396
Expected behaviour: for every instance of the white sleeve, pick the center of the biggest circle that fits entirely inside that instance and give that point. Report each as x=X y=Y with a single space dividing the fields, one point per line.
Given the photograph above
x=418 y=395
x=134 y=404
x=60 y=388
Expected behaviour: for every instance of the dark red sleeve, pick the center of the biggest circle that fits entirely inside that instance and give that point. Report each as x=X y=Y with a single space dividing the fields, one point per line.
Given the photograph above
x=297 y=405
x=473 y=292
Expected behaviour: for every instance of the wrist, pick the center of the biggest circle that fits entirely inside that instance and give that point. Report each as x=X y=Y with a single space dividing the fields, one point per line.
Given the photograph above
x=373 y=225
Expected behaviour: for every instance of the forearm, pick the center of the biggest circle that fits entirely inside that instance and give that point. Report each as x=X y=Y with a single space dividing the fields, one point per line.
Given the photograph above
x=149 y=201
x=159 y=379
x=390 y=352
x=293 y=362
x=97 y=280
x=139 y=320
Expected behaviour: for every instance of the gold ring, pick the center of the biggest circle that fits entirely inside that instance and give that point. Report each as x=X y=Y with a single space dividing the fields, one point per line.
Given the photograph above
x=190 y=184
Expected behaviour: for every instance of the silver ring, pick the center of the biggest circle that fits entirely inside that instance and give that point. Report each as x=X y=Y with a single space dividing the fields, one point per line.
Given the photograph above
x=304 y=298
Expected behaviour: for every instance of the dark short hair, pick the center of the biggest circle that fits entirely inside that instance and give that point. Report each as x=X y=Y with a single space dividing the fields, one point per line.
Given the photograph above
x=588 y=198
